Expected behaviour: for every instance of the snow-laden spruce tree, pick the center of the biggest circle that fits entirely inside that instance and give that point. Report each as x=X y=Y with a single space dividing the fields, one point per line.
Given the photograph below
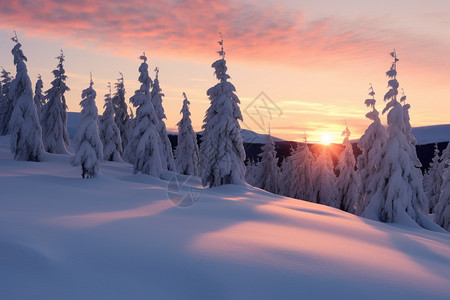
x=445 y=156
x=88 y=146
x=6 y=104
x=143 y=148
x=432 y=180
x=54 y=113
x=251 y=172
x=324 y=180
x=396 y=191
x=412 y=142
x=285 y=182
x=222 y=151
x=347 y=181
x=24 y=128
x=166 y=153
x=109 y=133
x=368 y=161
x=409 y=136
x=443 y=207
x=302 y=173
x=186 y=153
x=129 y=127
x=39 y=99
x=121 y=115
x=268 y=170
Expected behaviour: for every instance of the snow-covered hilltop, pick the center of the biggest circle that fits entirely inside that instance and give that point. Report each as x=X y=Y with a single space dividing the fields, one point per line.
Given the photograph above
x=119 y=236
x=432 y=134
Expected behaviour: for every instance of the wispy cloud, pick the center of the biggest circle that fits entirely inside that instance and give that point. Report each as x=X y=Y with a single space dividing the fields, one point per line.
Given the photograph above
x=253 y=31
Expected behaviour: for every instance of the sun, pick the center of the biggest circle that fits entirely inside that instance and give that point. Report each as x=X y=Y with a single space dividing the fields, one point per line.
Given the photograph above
x=326 y=139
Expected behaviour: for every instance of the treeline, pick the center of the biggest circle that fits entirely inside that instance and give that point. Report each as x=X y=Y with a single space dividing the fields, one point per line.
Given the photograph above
x=384 y=183
x=37 y=123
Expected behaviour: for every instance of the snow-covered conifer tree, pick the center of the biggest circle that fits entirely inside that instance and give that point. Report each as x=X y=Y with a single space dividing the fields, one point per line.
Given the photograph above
x=268 y=170
x=251 y=173
x=412 y=142
x=109 y=133
x=121 y=115
x=39 y=99
x=143 y=147
x=186 y=153
x=432 y=181
x=370 y=144
x=129 y=127
x=324 y=180
x=443 y=207
x=165 y=145
x=88 y=147
x=347 y=181
x=302 y=173
x=6 y=105
x=54 y=113
x=286 y=182
x=25 y=131
x=222 y=150
x=445 y=156
x=409 y=136
x=396 y=191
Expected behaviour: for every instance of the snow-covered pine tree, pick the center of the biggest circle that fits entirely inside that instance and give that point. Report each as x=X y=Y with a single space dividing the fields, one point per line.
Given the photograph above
x=432 y=180
x=121 y=116
x=143 y=148
x=268 y=170
x=251 y=172
x=54 y=113
x=302 y=173
x=445 y=155
x=285 y=182
x=396 y=191
x=109 y=133
x=222 y=149
x=88 y=147
x=129 y=127
x=409 y=136
x=368 y=161
x=166 y=152
x=6 y=102
x=347 y=181
x=324 y=180
x=412 y=142
x=443 y=207
x=186 y=153
x=25 y=131
x=39 y=99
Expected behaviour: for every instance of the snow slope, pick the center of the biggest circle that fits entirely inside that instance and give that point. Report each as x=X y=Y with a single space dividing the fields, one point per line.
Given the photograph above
x=118 y=236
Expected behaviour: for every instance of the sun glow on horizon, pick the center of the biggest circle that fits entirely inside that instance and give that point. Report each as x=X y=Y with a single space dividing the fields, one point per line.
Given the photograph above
x=326 y=139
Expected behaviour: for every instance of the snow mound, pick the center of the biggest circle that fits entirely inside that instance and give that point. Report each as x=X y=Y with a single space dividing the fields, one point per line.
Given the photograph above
x=119 y=236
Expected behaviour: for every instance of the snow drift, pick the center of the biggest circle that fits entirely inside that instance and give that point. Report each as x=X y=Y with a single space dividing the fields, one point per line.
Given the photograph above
x=119 y=236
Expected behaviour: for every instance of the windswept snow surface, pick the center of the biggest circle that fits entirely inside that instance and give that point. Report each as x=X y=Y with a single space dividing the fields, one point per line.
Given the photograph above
x=118 y=236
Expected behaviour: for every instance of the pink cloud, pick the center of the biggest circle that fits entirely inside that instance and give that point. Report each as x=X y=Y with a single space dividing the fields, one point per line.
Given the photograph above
x=253 y=31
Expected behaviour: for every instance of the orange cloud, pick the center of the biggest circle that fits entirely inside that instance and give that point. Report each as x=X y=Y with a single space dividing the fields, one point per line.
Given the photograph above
x=253 y=31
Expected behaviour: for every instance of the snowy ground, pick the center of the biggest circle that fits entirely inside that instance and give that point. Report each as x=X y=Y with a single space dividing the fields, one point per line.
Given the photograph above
x=119 y=236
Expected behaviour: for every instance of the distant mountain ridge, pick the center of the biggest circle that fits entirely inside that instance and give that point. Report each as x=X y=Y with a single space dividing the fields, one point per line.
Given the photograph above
x=424 y=135
x=432 y=134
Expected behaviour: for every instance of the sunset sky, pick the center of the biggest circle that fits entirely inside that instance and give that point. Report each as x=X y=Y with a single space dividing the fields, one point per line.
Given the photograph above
x=314 y=60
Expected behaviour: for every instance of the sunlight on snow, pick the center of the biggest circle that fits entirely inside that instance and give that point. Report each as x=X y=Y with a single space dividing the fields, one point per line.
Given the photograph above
x=99 y=218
